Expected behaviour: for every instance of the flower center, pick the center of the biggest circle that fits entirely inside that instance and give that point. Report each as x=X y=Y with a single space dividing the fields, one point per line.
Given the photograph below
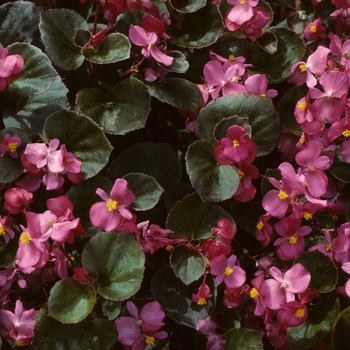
x=260 y=225
x=302 y=106
x=240 y=173
x=20 y=342
x=235 y=143
x=307 y=216
x=111 y=205
x=228 y=271
x=2 y=230
x=201 y=301
x=312 y=168
x=293 y=239
x=25 y=238
x=12 y=146
x=282 y=195
x=149 y=340
x=329 y=247
x=346 y=133
x=313 y=29
x=254 y=293
x=302 y=68
x=169 y=248
x=242 y=2
x=231 y=58
x=300 y=313
x=67 y=160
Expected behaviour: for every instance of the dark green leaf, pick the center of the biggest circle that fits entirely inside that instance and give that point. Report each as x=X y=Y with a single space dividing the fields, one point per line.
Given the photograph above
x=10 y=169
x=179 y=65
x=115 y=48
x=341 y=332
x=51 y=334
x=146 y=190
x=120 y=272
x=212 y=181
x=18 y=22
x=176 y=298
x=8 y=252
x=261 y=113
x=187 y=264
x=241 y=338
x=199 y=29
x=57 y=28
x=324 y=274
x=82 y=136
x=111 y=309
x=187 y=6
x=318 y=325
x=117 y=113
x=340 y=169
x=221 y=127
x=70 y=301
x=156 y=160
x=37 y=74
x=229 y=318
x=192 y=219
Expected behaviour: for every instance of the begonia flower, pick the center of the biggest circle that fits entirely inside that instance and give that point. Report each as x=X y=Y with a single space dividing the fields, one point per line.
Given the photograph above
x=215 y=341
x=314 y=30
x=242 y=11
x=257 y=85
x=19 y=326
x=10 y=67
x=17 y=199
x=325 y=248
x=340 y=49
x=6 y=228
x=253 y=27
x=246 y=190
x=264 y=230
x=224 y=230
x=254 y=293
x=9 y=146
x=292 y=314
x=106 y=215
x=203 y=294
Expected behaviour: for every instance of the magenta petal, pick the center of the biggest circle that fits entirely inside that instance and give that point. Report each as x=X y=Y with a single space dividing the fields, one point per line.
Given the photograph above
x=121 y=193
x=160 y=56
x=298 y=278
x=214 y=73
x=127 y=329
x=102 y=218
x=138 y=36
x=272 y=293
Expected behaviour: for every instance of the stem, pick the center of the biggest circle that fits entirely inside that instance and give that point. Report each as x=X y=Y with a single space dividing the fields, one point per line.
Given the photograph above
x=69 y=258
x=97 y=12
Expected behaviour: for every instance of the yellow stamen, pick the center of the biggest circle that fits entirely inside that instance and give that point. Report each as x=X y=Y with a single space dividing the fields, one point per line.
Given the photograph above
x=345 y=52
x=235 y=143
x=263 y=95
x=228 y=271
x=282 y=195
x=150 y=340
x=302 y=140
x=12 y=146
x=312 y=168
x=111 y=205
x=302 y=106
x=300 y=313
x=67 y=160
x=231 y=58
x=293 y=239
x=2 y=230
x=20 y=342
x=307 y=216
x=302 y=68
x=254 y=293
x=169 y=248
x=346 y=133
x=242 y=2
x=240 y=173
x=24 y=238
x=313 y=29
x=201 y=301
x=329 y=247
x=260 y=225
x=207 y=265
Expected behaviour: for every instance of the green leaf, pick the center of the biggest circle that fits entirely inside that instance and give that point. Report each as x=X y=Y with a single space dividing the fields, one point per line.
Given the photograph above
x=30 y=112
x=82 y=136
x=146 y=190
x=221 y=127
x=341 y=331
x=187 y=264
x=268 y=42
x=213 y=181
x=318 y=325
x=192 y=219
x=10 y=169
x=37 y=74
x=8 y=252
x=117 y=113
x=261 y=113
x=187 y=6
x=288 y=3
x=175 y=193
x=340 y=169
x=156 y=160
x=51 y=334
x=324 y=274
x=70 y=301
x=176 y=298
x=277 y=66
x=287 y=105
x=83 y=196
x=177 y=92
x=199 y=29
x=115 y=48
x=120 y=272
x=57 y=28
x=18 y=22
x=179 y=65
x=111 y=309
x=241 y=338
x=229 y=318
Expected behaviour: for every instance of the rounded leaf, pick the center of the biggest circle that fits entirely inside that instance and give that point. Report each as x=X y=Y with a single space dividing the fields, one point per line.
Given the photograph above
x=154 y=159
x=341 y=332
x=340 y=169
x=114 y=48
x=241 y=338
x=179 y=65
x=188 y=265
x=57 y=28
x=10 y=169
x=213 y=182
x=263 y=119
x=192 y=219
x=176 y=298
x=188 y=6
x=18 y=22
x=117 y=113
x=145 y=188
x=324 y=274
x=37 y=74
x=82 y=136
x=120 y=272
x=70 y=301
x=318 y=325
x=51 y=334
x=111 y=309
x=8 y=252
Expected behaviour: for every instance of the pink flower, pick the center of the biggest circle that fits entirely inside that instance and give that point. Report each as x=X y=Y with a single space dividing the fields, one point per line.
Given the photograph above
x=260 y=306
x=340 y=49
x=242 y=11
x=292 y=314
x=202 y=295
x=106 y=215
x=263 y=232
x=20 y=325
x=257 y=85
x=227 y=271
x=10 y=67
x=246 y=190
x=148 y=42
x=6 y=228
x=17 y=199
x=9 y=146
x=141 y=329
x=215 y=341
x=314 y=29
x=236 y=147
